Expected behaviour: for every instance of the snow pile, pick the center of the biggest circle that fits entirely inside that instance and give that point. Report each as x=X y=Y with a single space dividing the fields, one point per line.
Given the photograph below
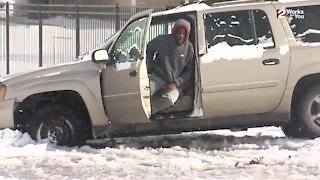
x=14 y=138
x=260 y=153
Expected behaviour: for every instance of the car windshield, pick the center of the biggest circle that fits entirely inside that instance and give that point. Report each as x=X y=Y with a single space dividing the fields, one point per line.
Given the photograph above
x=106 y=45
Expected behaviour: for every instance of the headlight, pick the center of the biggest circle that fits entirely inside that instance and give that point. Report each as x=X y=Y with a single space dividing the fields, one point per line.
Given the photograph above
x=3 y=90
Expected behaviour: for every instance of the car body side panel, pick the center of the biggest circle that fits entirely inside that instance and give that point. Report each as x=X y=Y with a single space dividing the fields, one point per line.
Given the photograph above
x=122 y=96
x=83 y=78
x=93 y=103
x=285 y=105
x=305 y=56
x=305 y=61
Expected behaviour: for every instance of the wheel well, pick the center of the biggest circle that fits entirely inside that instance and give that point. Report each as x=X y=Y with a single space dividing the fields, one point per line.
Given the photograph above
x=33 y=103
x=302 y=85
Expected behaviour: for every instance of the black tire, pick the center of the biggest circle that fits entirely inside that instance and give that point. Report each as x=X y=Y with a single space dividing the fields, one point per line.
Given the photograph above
x=292 y=129
x=305 y=120
x=59 y=125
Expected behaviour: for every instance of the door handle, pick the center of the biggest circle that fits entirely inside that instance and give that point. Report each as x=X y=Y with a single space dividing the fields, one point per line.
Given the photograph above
x=133 y=73
x=272 y=61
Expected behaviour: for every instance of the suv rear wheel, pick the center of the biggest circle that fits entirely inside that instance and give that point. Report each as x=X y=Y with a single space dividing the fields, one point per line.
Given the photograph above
x=305 y=120
x=59 y=124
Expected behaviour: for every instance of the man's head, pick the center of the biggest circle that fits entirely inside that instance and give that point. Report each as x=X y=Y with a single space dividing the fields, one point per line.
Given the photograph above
x=181 y=31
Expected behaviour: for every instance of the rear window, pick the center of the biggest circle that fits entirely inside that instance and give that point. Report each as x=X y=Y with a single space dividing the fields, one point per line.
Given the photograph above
x=304 y=23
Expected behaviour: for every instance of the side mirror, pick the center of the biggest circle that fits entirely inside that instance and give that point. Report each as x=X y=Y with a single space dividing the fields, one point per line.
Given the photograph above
x=100 y=55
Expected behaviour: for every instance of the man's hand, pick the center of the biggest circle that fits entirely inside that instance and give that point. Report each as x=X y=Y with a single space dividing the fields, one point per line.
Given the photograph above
x=170 y=87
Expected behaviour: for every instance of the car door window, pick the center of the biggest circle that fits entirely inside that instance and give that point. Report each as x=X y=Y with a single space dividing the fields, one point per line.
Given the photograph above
x=129 y=44
x=233 y=28
x=263 y=29
x=236 y=28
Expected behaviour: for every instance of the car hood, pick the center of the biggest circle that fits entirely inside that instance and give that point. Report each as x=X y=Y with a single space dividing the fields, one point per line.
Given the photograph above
x=57 y=71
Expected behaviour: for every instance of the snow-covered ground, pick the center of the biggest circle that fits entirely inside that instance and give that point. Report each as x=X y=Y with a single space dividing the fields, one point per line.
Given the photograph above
x=259 y=153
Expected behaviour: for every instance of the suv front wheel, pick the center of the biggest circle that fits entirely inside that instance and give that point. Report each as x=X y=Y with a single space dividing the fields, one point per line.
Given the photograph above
x=59 y=125
x=305 y=119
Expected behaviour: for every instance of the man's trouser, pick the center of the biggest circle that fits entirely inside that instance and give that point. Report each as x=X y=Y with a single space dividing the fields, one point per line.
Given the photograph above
x=163 y=100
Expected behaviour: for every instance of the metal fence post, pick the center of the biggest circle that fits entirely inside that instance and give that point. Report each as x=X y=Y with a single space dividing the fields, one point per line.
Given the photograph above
x=77 y=31
x=7 y=39
x=40 y=35
x=117 y=17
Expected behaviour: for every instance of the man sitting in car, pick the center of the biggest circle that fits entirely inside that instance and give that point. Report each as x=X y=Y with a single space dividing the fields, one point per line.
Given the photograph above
x=170 y=60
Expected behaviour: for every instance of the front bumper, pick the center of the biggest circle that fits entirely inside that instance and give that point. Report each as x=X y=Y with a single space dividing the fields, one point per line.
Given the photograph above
x=6 y=114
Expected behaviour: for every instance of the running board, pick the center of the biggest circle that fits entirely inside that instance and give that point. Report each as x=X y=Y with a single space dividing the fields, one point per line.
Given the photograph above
x=174 y=126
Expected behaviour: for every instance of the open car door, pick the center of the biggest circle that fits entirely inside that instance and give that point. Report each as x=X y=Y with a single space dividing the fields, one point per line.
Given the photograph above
x=125 y=82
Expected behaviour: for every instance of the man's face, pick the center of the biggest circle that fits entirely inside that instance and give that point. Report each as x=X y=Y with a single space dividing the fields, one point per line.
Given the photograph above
x=180 y=35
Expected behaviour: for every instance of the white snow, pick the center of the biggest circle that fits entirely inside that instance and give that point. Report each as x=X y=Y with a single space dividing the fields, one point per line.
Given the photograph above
x=240 y=38
x=314 y=44
x=259 y=153
x=265 y=42
x=126 y=65
x=191 y=7
x=123 y=65
x=309 y=31
x=285 y=1
x=222 y=51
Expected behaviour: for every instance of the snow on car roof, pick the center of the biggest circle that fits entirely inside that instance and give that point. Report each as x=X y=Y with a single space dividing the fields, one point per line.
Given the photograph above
x=285 y=1
x=179 y=9
x=204 y=6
